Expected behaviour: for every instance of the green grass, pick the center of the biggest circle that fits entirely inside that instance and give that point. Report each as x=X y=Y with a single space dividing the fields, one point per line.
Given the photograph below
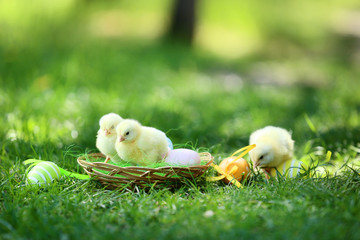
x=55 y=88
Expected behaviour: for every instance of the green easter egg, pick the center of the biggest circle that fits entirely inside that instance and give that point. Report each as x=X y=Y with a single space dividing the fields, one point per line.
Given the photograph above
x=43 y=173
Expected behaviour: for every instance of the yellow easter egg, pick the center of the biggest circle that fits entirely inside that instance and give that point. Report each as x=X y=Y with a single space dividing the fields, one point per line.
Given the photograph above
x=242 y=171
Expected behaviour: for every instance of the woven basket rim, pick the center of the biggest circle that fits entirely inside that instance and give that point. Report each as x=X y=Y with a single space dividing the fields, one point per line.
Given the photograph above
x=81 y=160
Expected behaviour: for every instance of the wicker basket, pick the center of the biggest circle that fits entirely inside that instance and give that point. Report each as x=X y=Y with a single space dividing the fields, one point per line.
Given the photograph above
x=113 y=176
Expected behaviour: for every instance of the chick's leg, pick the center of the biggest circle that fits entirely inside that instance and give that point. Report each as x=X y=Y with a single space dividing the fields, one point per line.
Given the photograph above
x=107 y=159
x=267 y=173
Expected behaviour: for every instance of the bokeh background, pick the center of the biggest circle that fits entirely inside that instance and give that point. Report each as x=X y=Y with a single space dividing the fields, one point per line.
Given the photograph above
x=208 y=81
x=245 y=64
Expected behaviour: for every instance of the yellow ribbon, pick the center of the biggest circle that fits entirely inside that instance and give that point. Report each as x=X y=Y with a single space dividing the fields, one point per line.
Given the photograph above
x=229 y=176
x=328 y=156
x=247 y=148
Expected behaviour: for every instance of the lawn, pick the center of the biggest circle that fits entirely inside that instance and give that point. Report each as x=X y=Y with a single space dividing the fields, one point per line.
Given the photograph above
x=57 y=79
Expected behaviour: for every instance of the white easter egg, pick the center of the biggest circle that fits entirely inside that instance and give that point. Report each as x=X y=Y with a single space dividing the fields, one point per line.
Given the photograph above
x=183 y=156
x=43 y=173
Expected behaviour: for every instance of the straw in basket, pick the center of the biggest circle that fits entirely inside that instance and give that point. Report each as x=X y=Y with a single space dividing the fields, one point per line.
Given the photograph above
x=113 y=176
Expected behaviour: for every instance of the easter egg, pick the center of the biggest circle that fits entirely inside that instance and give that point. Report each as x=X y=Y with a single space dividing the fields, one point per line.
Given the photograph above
x=183 y=156
x=242 y=165
x=43 y=173
x=170 y=144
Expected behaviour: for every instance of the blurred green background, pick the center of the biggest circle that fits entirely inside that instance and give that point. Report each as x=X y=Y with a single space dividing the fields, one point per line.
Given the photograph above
x=251 y=63
x=293 y=64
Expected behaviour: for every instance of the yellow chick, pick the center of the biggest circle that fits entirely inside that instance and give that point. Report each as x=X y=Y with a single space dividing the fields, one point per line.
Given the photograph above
x=140 y=144
x=274 y=146
x=106 y=136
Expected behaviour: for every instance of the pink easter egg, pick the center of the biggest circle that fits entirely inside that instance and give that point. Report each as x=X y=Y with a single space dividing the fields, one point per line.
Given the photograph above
x=183 y=156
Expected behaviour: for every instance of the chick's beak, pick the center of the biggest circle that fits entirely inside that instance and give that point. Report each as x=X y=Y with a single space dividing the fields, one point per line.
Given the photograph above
x=107 y=132
x=256 y=164
x=121 y=138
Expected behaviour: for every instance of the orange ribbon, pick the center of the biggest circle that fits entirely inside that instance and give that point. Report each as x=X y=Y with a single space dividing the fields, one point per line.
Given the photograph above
x=229 y=176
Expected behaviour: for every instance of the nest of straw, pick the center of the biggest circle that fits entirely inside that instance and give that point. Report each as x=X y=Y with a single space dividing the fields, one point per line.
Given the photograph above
x=113 y=177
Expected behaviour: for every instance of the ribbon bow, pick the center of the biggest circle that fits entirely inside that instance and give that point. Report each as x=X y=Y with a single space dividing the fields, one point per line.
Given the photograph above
x=228 y=175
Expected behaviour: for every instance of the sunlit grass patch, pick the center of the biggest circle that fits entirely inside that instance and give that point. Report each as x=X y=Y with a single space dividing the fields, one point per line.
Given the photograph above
x=54 y=90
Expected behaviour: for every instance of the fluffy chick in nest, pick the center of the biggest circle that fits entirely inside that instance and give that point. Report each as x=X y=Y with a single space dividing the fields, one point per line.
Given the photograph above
x=106 y=136
x=274 y=146
x=140 y=144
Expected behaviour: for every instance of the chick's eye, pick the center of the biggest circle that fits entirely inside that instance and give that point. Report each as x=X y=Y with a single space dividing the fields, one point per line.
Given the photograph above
x=127 y=133
x=112 y=127
x=261 y=157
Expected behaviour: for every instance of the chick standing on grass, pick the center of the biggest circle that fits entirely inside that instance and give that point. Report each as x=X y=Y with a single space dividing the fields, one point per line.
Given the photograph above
x=106 y=136
x=274 y=146
x=139 y=144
